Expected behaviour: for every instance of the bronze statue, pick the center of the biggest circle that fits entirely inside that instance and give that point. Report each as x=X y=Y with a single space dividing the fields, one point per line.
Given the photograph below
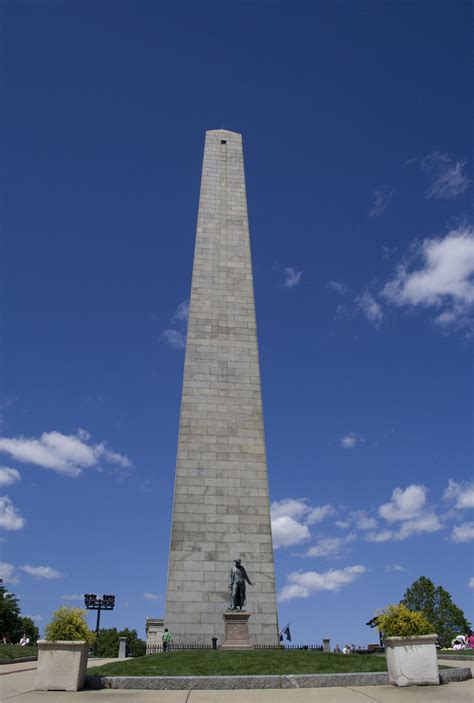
x=237 y=578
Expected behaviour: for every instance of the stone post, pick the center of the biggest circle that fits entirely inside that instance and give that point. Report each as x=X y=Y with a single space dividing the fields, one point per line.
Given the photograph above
x=122 y=647
x=326 y=645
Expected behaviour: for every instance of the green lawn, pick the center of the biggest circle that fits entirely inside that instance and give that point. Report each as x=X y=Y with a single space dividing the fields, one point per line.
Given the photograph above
x=462 y=652
x=13 y=651
x=212 y=663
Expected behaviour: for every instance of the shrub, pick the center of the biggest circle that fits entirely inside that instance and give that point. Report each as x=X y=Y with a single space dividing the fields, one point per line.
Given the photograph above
x=69 y=624
x=399 y=621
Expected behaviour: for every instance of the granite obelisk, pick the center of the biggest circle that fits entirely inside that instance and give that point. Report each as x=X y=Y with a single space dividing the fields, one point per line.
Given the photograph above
x=221 y=502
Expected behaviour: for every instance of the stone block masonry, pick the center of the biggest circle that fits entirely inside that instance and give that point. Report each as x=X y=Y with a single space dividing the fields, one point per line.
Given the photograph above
x=221 y=506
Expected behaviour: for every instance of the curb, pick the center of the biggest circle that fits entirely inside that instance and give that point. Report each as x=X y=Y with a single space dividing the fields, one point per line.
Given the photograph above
x=18 y=660
x=457 y=657
x=376 y=678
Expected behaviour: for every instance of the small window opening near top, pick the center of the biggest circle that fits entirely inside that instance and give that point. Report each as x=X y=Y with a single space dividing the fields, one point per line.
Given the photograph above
x=223 y=141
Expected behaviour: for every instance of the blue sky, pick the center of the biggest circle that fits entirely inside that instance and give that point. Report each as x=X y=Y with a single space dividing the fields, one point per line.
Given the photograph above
x=356 y=124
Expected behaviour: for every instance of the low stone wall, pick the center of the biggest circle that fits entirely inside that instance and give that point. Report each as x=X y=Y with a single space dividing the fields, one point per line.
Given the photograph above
x=378 y=678
x=18 y=660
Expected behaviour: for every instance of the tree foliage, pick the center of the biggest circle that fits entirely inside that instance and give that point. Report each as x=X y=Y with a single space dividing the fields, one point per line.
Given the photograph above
x=437 y=606
x=12 y=624
x=69 y=623
x=108 y=643
x=399 y=621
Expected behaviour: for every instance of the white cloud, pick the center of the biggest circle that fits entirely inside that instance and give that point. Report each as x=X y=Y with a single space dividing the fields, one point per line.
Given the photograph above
x=392 y=568
x=10 y=518
x=174 y=338
x=319 y=514
x=182 y=312
x=440 y=275
x=338 y=286
x=471 y=582
x=303 y=584
x=35 y=618
x=382 y=536
x=293 y=507
x=287 y=531
x=351 y=440
x=404 y=504
x=461 y=493
x=292 y=276
x=370 y=308
x=41 y=572
x=381 y=198
x=362 y=520
x=152 y=596
x=463 y=532
x=66 y=454
x=343 y=524
x=428 y=522
x=326 y=547
x=8 y=573
x=8 y=476
x=448 y=178
x=73 y=596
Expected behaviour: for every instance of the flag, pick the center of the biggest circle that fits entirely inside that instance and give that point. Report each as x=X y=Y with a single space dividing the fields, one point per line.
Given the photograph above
x=286 y=632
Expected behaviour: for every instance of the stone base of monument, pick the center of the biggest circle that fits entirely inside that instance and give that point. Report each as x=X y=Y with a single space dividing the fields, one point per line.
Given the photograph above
x=236 y=630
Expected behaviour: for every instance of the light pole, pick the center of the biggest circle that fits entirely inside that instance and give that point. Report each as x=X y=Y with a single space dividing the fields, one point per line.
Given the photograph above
x=99 y=604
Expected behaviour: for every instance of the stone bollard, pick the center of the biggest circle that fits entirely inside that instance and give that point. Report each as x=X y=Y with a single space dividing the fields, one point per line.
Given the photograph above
x=326 y=645
x=122 y=647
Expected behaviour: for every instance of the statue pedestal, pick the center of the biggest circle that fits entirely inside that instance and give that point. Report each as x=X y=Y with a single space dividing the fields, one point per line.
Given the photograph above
x=236 y=630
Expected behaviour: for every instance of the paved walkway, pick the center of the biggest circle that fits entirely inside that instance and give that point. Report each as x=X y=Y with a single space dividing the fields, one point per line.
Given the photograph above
x=17 y=686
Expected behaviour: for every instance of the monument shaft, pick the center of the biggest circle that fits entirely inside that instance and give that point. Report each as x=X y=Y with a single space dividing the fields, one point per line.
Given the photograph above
x=221 y=500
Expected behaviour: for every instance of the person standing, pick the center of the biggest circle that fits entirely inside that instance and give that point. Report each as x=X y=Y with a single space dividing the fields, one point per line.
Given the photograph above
x=166 y=639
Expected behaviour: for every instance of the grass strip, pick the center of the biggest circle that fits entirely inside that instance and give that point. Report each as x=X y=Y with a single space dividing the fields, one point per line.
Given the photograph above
x=14 y=651
x=217 y=663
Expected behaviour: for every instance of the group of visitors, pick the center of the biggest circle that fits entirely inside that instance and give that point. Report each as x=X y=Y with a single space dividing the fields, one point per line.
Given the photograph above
x=347 y=649
x=24 y=642
x=463 y=641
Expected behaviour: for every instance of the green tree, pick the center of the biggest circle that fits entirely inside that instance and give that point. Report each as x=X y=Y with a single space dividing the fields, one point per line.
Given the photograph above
x=437 y=606
x=108 y=643
x=10 y=619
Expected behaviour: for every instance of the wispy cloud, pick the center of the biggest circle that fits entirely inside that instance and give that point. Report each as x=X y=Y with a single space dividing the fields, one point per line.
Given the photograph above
x=8 y=573
x=152 y=596
x=8 y=476
x=471 y=582
x=362 y=520
x=438 y=275
x=65 y=454
x=381 y=198
x=351 y=440
x=463 y=532
x=461 y=493
x=10 y=518
x=338 y=286
x=393 y=568
x=41 y=572
x=303 y=584
x=176 y=338
x=329 y=547
x=448 y=179
x=292 y=276
x=370 y=307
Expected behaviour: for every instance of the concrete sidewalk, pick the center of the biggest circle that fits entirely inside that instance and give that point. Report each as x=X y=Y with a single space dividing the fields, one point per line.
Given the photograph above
x=17 y=686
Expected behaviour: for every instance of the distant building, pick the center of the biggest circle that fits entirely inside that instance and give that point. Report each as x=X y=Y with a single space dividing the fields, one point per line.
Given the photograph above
x=154 y=628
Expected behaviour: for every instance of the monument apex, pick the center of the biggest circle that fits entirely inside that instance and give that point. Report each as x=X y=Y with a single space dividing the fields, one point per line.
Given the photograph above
x=221 y=511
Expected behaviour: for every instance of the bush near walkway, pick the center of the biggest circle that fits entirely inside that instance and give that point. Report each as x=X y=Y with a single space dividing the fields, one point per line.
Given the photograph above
x=253 y=662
